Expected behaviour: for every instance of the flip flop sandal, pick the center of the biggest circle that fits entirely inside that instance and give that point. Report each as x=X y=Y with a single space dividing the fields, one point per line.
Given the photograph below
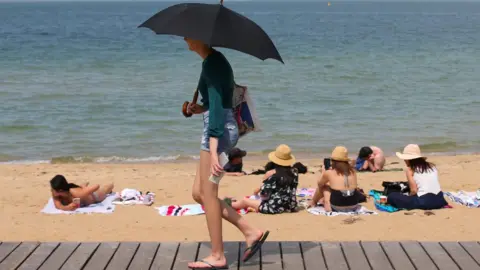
x=209 y=266
x=255 y=247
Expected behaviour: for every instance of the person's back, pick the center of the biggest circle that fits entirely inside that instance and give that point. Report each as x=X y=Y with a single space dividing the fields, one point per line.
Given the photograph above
x=427 y=182
x=341 y=180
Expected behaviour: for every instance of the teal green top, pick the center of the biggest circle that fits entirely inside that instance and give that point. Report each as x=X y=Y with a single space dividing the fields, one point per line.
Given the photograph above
x=216 y=86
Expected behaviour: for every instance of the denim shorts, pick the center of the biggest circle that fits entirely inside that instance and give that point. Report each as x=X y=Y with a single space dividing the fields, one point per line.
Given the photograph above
x=230 y=134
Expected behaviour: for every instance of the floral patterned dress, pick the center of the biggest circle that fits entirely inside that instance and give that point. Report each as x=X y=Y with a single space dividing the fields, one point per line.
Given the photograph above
x=279 y=194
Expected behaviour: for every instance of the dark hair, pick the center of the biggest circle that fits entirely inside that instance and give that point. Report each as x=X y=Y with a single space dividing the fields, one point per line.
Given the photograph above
x=420 y=165
x=270 y=166
x=365 y=152
x=285 y=175
x=342 y=167
x=59 y=183
x=300 y=167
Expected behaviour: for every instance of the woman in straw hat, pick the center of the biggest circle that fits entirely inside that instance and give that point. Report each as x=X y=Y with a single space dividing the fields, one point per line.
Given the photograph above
x=278 y=191
x=422 y=176
x=220 y=134
x=337 y=186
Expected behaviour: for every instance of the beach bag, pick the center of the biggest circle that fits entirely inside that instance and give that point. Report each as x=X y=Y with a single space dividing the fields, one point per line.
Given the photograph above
x=244 y=111
x=390 y=187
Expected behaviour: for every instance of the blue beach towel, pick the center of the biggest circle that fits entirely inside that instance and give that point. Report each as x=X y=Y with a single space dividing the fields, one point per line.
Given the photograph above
x=382 y=207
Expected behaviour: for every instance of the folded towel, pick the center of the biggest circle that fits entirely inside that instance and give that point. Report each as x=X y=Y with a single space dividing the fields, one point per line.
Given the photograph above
x=192 y=209
x=129 y=196
x=469 y=199
x=305 y=192
x=104 y=207
x=375 y=194
x=320 y=210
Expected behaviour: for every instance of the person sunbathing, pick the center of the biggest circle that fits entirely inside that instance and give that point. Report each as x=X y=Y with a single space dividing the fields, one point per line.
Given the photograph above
x=337 y=186
x=370 y=158
x=422 y=177
x=278 y=191
x=64 y=193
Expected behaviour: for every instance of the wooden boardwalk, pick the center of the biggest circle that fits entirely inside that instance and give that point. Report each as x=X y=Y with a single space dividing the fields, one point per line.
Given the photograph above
x=274 y=255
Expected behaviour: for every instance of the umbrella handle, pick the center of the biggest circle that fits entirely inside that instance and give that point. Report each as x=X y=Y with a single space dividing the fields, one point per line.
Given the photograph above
x=186 y=103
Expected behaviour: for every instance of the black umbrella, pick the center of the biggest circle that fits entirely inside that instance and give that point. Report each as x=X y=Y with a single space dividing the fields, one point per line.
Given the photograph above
x=214 y=25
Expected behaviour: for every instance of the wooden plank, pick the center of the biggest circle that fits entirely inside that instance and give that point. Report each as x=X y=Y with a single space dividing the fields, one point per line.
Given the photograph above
x=144 y=256
x=313 y=256
x=376 y=256
x=334 y=258
x=473 y=248
x=19 y=255
x=460 y=256
x=254 y=262
x=417 y=255
x=102 y=256
x=356 y=259
x=271 y=259
x=123 y=256
x=232 y=254
x=59 y=256
x=165 y=256
x=291 y=256
x=6 y=248
x=187 y=252
x=36 y=259
x=80 y=256
x=439 y=256
x=397 y=256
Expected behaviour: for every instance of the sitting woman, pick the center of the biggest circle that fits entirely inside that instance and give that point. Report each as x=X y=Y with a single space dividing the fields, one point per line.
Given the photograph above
x=278 y=191
x=337 y=186
x=422 y=176
x=64 y=193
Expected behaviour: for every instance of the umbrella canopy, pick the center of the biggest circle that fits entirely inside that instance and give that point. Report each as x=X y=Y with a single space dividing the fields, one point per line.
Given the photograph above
x=214 y=25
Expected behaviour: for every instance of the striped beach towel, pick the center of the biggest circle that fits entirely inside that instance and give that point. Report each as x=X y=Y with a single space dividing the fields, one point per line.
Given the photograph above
x=175 y=210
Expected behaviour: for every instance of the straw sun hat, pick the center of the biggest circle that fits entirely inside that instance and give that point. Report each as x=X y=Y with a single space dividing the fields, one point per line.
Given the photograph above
x=340 y=153
x=282 y=156
x=411 y=151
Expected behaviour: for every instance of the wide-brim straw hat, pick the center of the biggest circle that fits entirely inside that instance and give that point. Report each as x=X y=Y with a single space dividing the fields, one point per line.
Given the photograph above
x=282 y=156
x=411 y=151
x=340 y=153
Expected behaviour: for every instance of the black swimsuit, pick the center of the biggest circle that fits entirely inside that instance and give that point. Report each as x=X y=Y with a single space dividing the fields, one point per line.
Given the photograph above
x=343 y=198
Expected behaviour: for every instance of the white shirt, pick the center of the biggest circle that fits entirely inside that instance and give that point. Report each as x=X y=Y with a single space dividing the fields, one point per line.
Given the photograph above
x=427 y=182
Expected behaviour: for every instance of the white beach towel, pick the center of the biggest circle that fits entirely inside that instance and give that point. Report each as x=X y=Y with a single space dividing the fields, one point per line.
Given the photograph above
x=104 y=207
x=466 y=198
x=320 y=211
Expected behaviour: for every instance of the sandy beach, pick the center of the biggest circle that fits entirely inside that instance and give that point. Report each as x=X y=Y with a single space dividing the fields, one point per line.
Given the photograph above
x=24 y=190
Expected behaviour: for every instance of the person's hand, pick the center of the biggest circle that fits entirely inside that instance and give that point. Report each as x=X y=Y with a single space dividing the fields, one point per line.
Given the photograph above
x=310 y=204
x=73 y=206
x=195 y=108
x=215 y=167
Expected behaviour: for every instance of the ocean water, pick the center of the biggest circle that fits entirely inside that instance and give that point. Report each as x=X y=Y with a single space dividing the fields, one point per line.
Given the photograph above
x=80 y=81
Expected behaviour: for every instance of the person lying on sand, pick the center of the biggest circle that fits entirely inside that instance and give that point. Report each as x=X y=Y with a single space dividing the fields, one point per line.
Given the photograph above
x=234 y=167
x=64 y=193
x=278 y=191
x=337 y=185
x=422 y=176
x=370 y=158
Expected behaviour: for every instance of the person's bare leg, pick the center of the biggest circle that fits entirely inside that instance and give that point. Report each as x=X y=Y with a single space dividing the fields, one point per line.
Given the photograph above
x=211 y=203
x=103 y=191
x=246 y=203
x=326 y=196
